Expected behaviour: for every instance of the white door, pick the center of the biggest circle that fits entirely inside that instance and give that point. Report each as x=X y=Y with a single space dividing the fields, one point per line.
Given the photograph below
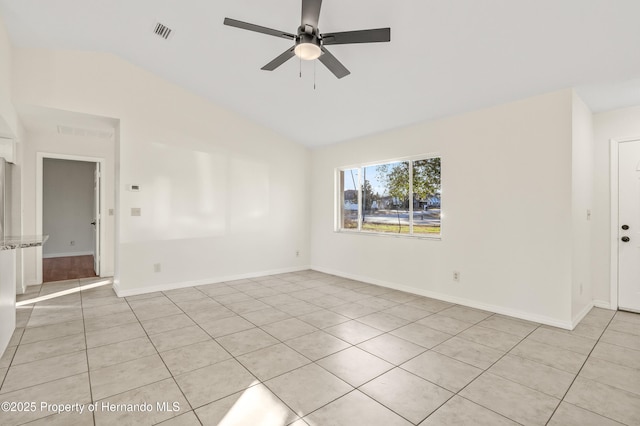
x=96 y=219
x=629 y=226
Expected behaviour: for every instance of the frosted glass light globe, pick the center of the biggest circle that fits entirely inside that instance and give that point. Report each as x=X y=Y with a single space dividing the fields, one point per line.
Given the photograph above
x=307 y=51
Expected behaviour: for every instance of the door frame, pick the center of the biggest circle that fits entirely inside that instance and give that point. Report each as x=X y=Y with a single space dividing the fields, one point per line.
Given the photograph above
x=40 y=156
x=98 y=218
x=613 y=228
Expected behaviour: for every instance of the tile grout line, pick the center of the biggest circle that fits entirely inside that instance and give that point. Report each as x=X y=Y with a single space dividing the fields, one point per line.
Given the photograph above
x=230 y=354
x=578 y=373
x=127 y=340
x=4 y=379
x=299 y=417
x=473 y=380
x=280 y=342
x=13 y=357
x=86 y=351
x=483 y=372
x=163 y=362
x=386 y=371
x=315 y=362
x=620 y=346
x=261 y=382
x=355 y=346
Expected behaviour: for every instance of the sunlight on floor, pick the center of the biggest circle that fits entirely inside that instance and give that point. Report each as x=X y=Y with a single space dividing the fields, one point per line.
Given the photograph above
x=258 y=407
x=65 y=292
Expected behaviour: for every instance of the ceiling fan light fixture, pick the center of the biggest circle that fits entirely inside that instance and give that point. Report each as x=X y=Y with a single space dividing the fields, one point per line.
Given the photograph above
x=310 y=43
x=308 y=51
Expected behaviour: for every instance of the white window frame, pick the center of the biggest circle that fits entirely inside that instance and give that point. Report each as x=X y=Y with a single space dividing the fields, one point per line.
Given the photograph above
x=339 y=203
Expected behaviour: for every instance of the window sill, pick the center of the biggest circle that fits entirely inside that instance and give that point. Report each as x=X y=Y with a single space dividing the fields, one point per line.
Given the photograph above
x=390 y=235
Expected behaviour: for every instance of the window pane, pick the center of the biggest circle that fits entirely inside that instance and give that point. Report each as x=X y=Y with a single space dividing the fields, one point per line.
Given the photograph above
x=349 y=199
x=426 y=196
x=385 y=198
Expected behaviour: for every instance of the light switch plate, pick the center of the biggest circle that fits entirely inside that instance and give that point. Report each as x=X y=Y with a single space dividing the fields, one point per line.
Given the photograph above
x=136 y=211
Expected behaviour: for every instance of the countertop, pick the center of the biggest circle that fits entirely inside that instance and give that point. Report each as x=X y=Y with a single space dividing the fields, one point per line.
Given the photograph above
x=12 y=243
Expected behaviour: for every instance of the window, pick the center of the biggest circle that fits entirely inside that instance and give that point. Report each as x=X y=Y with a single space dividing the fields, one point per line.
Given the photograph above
x=399 y=197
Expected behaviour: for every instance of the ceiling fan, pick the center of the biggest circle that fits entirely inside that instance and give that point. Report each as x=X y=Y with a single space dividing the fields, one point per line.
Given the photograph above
x=310 y=44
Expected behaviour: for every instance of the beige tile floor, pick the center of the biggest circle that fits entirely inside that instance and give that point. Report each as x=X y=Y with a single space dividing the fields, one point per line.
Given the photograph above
x=308 y=348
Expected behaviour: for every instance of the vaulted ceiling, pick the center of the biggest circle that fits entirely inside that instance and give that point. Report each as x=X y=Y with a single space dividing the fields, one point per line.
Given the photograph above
x=444 y=58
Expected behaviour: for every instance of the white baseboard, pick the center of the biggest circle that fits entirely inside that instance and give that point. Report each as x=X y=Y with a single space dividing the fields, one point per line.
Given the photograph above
x=70 y=254
x=172 y=286
x=568 y=325
x=604 y=304
x=454 y=299
x=576 y=320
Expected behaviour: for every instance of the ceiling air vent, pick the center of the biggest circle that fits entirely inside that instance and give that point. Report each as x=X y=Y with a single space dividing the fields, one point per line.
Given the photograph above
x=162 y=30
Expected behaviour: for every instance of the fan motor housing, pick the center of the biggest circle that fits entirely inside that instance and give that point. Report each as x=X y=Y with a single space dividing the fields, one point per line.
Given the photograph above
x=308 y=38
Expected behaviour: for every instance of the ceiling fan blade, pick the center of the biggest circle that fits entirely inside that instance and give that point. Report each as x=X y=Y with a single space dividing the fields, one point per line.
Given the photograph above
x=311 y=12
x=377 y=35
x=284 y=57
x=334 y=65
x=257 y=28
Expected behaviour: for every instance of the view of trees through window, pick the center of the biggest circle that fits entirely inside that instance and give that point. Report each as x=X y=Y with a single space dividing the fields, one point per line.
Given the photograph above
x=349 y=210
x=402 y=197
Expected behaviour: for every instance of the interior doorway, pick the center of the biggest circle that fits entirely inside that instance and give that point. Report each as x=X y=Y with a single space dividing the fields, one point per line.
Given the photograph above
x=625 y=224
x=70 y=213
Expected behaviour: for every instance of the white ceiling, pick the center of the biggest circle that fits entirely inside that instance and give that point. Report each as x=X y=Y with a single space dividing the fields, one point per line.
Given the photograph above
x=445 y=57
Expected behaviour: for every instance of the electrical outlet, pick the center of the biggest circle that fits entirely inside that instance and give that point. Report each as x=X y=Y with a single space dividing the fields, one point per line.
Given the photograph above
x=156 y=267
x=72 y=243
x=136 y=211
x=297 y=253
x=456 y=276
x=588 y=214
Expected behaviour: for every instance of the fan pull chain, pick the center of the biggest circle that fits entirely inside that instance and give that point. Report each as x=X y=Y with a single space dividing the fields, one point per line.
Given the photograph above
x=300 y=62
x=314 y=74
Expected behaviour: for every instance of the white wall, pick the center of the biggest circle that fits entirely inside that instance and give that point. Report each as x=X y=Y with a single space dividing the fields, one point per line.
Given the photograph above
x=617 y=124
x=506 y=201
x=7 y=116
x=582 y=152
x=67 y=207
x=220 y=196
x=18 y=206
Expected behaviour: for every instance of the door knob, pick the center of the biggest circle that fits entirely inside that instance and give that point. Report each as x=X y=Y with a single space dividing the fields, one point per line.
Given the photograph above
x=625 y=227
x=625 y=239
